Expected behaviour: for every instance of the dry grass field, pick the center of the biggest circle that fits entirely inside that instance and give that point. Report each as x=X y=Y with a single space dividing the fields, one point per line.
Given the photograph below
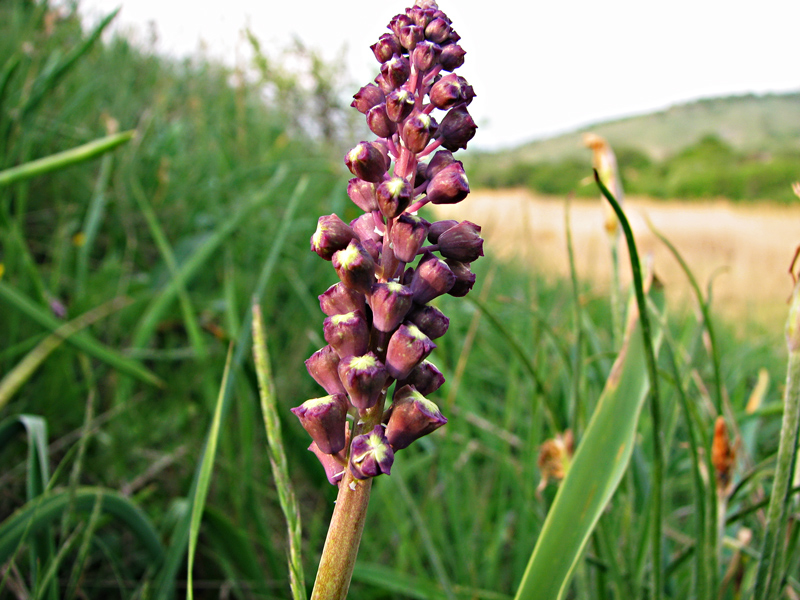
x=745 y=250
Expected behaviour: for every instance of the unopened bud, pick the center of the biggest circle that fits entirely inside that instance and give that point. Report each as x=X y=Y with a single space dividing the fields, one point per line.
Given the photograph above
x=457 y=128
x=412 y=417
x=386 y=47
x=399 y=104
x=425 y=55
x=432 y=278
x=340 y=299
x=395 y=71
x=366 y=161
x=417 y=131
x=334 y=464
x=436 y=229
x=355 y=267
x=394 y=196
x=362 y=193
x=324 y=419
x=465 y=278
x=430 y=320
x=364 y=226
x=323 y=366
x=410 y=35
x=408 y=235
x=332 y=235
x=407 y=347
x=449 y=186
x=425 y=377
x=452 y=55
x=371 y=454
x=347 y=334
x=462 y=242
x=363 y=377
x=451 y=90
x=438 y=30
x=439 y=161
x=379 y=122
x=390 y=303
x=367 y=97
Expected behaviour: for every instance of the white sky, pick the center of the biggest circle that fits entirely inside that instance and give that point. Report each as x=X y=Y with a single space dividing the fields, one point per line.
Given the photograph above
x=539 y=68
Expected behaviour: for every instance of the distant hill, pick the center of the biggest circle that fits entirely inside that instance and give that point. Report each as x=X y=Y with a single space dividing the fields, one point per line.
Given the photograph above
x=748 y=124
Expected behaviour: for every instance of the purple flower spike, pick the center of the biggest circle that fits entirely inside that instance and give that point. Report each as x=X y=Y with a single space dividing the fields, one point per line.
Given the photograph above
x=355 y=267
x=409 y=234
x=348 y=334
x=323 y=366
x=457 y=128
x=413 y=416
x=407 y=347
x=425 y=377
x=367 y=162
x=324 y=419
x=371 y=454
x=430 y=320
x=390 y=303
x=363 y=377
x=432 y=278
x=449 y=186
x=332 y=235
x=340 y=299
x=463 y=242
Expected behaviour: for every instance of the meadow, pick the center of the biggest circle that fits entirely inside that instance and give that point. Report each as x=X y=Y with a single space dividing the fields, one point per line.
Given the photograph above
x=175 y=197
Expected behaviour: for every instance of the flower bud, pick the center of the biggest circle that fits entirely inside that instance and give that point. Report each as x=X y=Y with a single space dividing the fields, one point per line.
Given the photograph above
x=340 y=299
x=371 y=454
x=363 y=377
x=398 y=22
x=420 y=16
x=462 y=242
x=385 y=86
x=417 y=131
x=425 y=377
x=366 y=161
x=390 y=303
x=364 y=226
x=386 y=47
x=332 y=235
x=457 y=128
x=367 y=97
x=334 y=464
x=419 y=176
x=394 y=196
x=448 y=186
x=395 y=71
x=452 y=55
x=374 y=249
x=399 y=104
x=407 y=347
x=323 y=366
x=412 y=417
x=438 y=30
x=432 y=278
x=410 y=35
x=408 y=235
x=355 y=267
x=436 y=229
x=362 y=193
x=379 y=122
x=425 y=55
x=451 y=90
x=430 y=320
x=439 y=161
x=347 y=334
x=324 y=419
x=465 y=278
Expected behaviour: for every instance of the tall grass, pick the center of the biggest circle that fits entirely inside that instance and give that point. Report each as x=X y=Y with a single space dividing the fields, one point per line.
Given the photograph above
x=126 y=278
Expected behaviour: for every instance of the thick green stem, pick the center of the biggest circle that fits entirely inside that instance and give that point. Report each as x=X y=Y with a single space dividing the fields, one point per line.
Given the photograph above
x=344 y=536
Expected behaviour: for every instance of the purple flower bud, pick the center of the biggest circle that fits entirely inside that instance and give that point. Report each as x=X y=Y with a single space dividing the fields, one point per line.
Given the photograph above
x=362 y=193
x=419 y=176
x=379 y=122
x=429 y=319
x=457 y=128
x=438 y=30
x=363 y=377
x=324 y=419
x=407 y=347
x=385 y=86
x=398 y=22
x=332 y=235
x=364 y=226
x=436 y=229
x=386 y=47
x=408 y=235
x=340 y=299
x=425 y=55
x=410 y=35
x=355 y=267
x=452 y=55
x=323 y=366
x=366 y=161
x=465 y=278
x=390 y=303
x=462 y=242
x=432 y=278
x=395 y=71
x=451 y=90
x=334 y=464
x=374 y=249
x=394 y=196
x=420 y=16
x=412 y=417
x=383 y=148
x=449 y=186
x=439 y=161
x=348 y=334
x=425 y=377
x=367 y=97
x=399 y=104
x=371 y=454
x=417 y=131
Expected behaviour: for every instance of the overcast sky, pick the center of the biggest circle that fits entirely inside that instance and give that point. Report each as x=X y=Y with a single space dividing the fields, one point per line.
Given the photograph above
x=539 y=68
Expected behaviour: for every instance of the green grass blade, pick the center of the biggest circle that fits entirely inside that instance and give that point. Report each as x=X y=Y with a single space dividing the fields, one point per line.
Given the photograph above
x=204 y=476
x=277 y=455
x=594 y=474
x=64 y=159
x=81 y=340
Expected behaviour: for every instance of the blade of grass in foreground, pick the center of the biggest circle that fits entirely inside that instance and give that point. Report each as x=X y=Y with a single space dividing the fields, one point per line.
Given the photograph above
x=277 y=456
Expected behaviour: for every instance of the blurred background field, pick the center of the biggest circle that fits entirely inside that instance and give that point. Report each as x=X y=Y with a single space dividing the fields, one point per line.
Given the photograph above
x=212 y=203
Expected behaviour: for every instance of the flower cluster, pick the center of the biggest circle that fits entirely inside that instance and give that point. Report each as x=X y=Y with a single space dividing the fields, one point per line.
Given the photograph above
x=380 y=325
